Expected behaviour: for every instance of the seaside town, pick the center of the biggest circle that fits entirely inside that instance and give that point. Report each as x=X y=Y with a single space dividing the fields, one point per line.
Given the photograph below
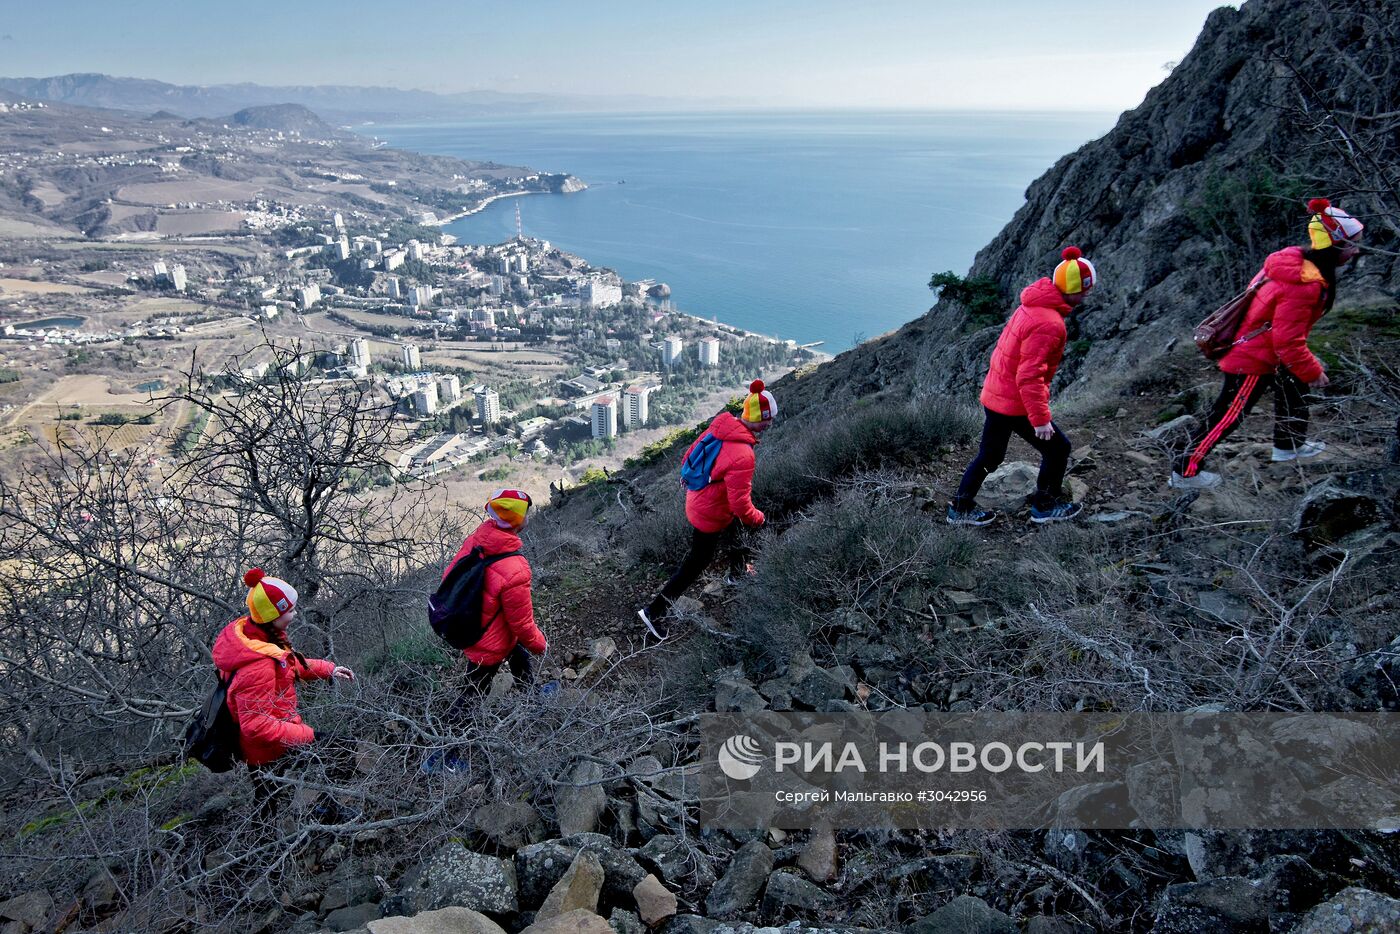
x=495 y=357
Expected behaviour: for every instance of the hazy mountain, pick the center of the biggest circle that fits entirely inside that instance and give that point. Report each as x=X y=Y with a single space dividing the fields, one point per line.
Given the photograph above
x=335 y=102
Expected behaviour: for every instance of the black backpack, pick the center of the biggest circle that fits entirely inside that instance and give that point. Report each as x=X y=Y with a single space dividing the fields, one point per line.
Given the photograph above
x=455 y=609
x=211 y=739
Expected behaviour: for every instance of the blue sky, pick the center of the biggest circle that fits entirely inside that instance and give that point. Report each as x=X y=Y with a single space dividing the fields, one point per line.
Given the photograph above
x=1015 y=54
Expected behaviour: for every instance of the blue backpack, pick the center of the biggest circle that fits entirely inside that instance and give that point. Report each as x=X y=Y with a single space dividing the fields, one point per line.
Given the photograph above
x=700 y=462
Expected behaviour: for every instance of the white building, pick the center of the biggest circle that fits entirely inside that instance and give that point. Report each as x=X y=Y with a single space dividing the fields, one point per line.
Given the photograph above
x=394 y=259
x=269 y=311
x=421 y=295
x=338 y=221
x=308 y=295
x=709 y=351
x=483 y=319
x=488 y=406
x=412 y=358
x=449 y=388
x=177 y=278
x=634 y=407
x=414 y=250
x=425 y=400
x=341 y=248
x=359 y=354
x=394 y=287
x=595 y=294
x=605 y=417
x=671 y=349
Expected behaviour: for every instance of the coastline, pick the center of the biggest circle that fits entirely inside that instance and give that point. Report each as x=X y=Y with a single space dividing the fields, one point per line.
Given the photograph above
x=444 y=221
x=821 y=355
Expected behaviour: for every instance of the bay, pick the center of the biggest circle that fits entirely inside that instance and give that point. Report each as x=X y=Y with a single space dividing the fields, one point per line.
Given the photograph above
x=805 y=225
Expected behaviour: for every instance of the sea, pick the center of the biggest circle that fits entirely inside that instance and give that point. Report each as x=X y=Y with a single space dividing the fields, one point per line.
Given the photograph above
x=815 y=227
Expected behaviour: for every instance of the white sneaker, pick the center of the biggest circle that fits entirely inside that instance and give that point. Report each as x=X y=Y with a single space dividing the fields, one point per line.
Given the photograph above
x=1304 y=450
x=655 y=627
x=1205 y=480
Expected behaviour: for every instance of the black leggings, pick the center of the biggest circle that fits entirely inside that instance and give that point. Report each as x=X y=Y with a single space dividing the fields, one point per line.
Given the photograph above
x=1236 y=400
x=703 y=548
x=518 y=661
x=996 y=434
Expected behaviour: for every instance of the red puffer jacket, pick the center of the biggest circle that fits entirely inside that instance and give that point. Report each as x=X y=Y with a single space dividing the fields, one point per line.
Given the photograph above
x=263 y=694
x=1293 y=299
x=506 y=599
x=729 y=494
x=1027 y=355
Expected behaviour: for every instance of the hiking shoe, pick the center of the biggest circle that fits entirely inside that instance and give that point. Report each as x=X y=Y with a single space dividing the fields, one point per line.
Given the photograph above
x=1060 y=512
x=734 y=578
x=973 y=516
x=1205 y=480
x=656 y=627
x=1302 y=451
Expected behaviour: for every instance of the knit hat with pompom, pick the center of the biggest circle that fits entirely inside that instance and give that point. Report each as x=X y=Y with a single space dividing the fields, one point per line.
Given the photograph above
x=759 y=406
x=1330 y=225
x=1075 y=274
x=268 y=597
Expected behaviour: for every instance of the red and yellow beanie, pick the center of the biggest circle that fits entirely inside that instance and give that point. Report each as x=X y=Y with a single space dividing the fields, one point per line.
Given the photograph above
x=268 y=597
x=1329 y=226
x=1075 y=274
x=508 y=508
x=759 y=405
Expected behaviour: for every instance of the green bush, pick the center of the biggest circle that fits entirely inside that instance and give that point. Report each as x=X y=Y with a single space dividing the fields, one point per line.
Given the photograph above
x=420 y=648
x=8 y=375
x=979 y=295
x=799 y=461
x=111 y=418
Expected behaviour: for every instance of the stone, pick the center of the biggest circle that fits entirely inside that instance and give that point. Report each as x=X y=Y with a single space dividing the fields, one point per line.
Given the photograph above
x=787 y=895
x=655 y=902
x=1007 y=487
x=1228 y=903
x=577 y=921
x=31 y=909
x=579 y=800
x=1137 y=457
x=737 y=695
x=691 y=924
x=1355 y=911
x=676 y=863
x=938 y=873
x=821 y=685
x=539 y=866
x=214 y=808
x=623 y=921
x=1289 y=883
x=1328 y=513
x=818 y=856
x=1053 y=924
x=1182 y=424
x=579 y=887
x=508 y=824
x=345 y=919
x=349 y=889
x=452 y=920
x=1375 y=678
x=965 y=915
x=738 y=888
x=455 y=875
x=1095 y=804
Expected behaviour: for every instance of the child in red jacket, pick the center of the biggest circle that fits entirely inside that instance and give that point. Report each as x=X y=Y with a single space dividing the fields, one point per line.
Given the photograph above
x=1016 y=394
x=510 y=634
x=263 y=670
x=714 y=509
x=1300 y=287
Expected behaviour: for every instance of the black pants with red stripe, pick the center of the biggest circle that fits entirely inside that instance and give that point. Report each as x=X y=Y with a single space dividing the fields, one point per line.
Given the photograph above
x=1236 y=400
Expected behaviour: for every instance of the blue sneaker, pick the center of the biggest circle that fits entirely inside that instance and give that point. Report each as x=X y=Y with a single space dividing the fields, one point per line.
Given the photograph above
x=1060 y=512
x=973 y=516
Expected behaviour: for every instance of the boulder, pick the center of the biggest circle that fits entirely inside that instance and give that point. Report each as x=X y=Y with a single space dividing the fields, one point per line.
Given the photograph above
x=965 y=915
x=456 y=876
x=1227 y=905
x=1289 y=883
x=351 y=917
x=623 y=921
x=541 y=865
x=738 y=888
x=1374 y=677
x=579 y=887
x=577 y=921
x=1008 y=486
x=1182 y=424
x=787 y=895
x=691 y=924
x=1054 y=924
x=676 y=863
x=508 y=824
x=1098 y=804
x=348 y=888
x=579 y=800
x=655 y=902
x=30 y=909
x=1354 y=910
x=818 y=856
x=453 y=920
x=737 y=695
x=938 y=873
x=820 y=685
x=1328 y=513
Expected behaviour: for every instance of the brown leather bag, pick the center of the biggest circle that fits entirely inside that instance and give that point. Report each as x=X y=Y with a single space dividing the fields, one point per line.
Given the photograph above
x=1218 y=332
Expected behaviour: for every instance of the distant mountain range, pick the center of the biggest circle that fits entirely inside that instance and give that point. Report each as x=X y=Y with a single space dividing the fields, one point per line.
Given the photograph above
x=338 y=103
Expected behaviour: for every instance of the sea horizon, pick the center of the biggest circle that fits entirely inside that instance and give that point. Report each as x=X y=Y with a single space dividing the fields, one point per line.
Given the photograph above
x=720 y=206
